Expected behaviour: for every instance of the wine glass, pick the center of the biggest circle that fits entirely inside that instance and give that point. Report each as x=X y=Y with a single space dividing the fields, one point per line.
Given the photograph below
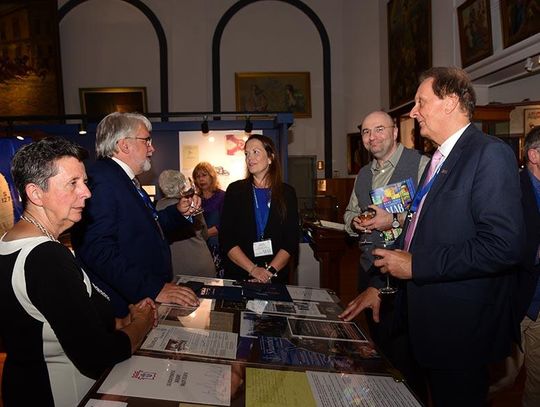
x=388 y=289
x=187 y=191
x=365 y=214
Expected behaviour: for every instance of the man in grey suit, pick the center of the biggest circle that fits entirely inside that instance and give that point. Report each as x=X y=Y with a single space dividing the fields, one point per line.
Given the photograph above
x=465 y=234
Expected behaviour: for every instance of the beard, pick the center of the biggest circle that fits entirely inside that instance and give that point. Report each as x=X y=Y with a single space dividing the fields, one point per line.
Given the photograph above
x=147 y=164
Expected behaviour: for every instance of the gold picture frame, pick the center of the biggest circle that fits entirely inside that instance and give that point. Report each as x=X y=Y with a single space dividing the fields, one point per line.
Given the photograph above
x=474 y=20
x=259 y=92
x=98 y=102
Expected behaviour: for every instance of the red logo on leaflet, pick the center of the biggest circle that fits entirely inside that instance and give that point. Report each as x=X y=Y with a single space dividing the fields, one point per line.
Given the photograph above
x=142 y=375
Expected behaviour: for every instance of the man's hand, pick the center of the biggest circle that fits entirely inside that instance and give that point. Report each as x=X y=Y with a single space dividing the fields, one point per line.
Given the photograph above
x=186 y=206
x=369 y=298
x=396 y=262
x=381 y=221
x=176 y=294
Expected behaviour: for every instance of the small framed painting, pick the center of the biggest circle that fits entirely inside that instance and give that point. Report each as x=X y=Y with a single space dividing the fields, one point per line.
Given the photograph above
x=99 y=102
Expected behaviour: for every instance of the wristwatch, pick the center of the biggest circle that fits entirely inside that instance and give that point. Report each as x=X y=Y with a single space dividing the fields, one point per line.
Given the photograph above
x=395 y=222
x=272 y=270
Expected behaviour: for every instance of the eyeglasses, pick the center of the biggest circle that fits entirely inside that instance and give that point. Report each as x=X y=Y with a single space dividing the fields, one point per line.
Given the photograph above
x=147 y=140
x=377 y=130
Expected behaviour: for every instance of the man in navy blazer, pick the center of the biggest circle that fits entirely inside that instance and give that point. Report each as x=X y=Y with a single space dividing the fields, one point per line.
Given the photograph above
x=460 y=246
x=121 y=241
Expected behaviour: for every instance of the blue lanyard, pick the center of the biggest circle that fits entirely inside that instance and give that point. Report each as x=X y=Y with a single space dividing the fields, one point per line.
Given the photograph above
x=423 y=191
x=261 y=213
x=147 y=202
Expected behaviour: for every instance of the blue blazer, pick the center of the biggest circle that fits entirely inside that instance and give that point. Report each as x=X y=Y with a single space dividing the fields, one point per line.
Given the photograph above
x=118 y=242
x=469 y=235
x=529 y=270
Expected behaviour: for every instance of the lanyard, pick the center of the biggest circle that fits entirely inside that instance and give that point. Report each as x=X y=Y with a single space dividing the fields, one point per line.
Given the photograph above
x=423 y=191
x=261 y=215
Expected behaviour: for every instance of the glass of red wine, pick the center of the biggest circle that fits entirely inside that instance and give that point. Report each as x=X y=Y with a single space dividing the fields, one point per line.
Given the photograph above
x=187 y=191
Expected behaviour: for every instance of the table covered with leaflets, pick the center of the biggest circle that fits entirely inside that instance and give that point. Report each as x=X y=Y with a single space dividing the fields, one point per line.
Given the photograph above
x=250 y=344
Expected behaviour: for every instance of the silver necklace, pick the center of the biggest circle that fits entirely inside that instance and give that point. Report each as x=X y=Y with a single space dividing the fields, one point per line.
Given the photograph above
x=40 y=227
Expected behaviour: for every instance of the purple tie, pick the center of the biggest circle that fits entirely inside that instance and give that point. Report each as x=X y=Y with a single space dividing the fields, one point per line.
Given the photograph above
x=435 y=160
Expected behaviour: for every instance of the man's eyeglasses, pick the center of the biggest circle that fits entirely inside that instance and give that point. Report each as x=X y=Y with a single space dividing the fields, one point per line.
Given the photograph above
x=147 y=140
x=377 y=130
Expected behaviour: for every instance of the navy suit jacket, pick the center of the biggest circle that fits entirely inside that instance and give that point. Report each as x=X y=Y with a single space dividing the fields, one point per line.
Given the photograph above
x=529 y=271
x=118 y=242
x=469 y=235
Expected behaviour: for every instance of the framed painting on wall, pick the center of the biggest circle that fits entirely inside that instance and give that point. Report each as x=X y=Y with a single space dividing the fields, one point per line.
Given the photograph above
x=409 y=47
x=357 y=155
x=519 y=20
x=474 y=31
x=96 y=103
x=30 y=76
x=274 y=92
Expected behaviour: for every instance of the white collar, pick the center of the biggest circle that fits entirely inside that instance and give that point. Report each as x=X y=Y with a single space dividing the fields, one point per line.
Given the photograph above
x=446 y=147
x=127 y=169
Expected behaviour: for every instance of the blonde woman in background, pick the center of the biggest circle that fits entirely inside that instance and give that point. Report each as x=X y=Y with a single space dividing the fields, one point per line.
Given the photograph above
x=206 y=180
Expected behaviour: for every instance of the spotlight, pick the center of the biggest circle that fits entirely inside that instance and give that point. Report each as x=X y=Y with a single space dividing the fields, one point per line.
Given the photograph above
x=19 y=138
x=204 y=126
x=249 y=126
x=82 y=128
x=529 y=65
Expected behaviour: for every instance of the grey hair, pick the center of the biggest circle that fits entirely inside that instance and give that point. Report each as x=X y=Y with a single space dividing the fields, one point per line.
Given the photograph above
x=171 y=182
x=115 y=127
x=532 y=141
x=35 y=163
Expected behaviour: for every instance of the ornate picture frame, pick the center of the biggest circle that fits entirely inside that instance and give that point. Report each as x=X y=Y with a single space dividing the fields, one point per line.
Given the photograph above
x=519 y=20
x=475 y=39
x=273 y=92
x=409 y=47
x=96 y=103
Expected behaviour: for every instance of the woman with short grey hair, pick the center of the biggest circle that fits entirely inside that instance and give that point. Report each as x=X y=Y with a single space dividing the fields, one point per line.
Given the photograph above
x=189 y=253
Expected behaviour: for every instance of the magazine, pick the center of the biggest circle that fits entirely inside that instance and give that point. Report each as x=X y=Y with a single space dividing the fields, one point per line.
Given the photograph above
x=394 y=198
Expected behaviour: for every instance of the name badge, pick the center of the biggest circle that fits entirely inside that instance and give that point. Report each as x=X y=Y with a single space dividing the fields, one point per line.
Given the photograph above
x=263 y=248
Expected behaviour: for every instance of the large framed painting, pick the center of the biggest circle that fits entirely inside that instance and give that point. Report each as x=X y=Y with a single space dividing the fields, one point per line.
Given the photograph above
x=96 y=103
x=274 y=92
x=519 y=20
x=30 y=81
x=475 y=41
x=409 y=47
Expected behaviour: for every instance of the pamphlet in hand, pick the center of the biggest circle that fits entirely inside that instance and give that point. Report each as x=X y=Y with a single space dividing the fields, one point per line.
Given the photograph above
x=394 y=198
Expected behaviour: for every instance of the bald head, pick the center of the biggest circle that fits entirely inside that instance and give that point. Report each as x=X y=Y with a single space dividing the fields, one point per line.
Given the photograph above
x=379 y=135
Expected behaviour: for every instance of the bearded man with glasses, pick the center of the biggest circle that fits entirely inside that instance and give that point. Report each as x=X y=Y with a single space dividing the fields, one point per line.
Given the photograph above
x=122 y=241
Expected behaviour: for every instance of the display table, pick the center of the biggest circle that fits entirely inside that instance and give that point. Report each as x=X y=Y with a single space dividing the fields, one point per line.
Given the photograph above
x=240 y=349
x=338 y=255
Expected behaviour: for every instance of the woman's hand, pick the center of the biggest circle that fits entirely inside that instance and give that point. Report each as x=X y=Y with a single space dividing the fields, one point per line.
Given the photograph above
x=260 y=275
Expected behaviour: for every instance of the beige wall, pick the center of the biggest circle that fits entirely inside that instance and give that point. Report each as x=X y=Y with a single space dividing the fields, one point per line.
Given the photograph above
x=110 y=43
